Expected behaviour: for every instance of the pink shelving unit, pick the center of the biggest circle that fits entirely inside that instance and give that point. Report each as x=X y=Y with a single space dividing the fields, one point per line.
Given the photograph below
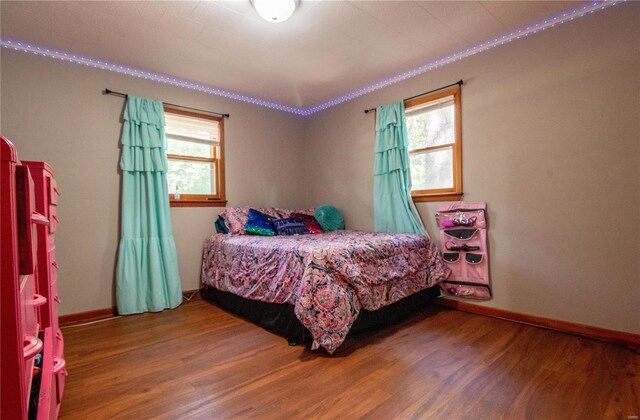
x=28 y=298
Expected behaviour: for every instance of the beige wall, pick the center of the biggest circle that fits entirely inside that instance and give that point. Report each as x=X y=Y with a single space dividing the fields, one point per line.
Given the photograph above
x=551 y=141
x=54 y=111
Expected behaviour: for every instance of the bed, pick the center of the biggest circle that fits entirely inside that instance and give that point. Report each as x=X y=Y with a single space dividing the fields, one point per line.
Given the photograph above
x=328 y=279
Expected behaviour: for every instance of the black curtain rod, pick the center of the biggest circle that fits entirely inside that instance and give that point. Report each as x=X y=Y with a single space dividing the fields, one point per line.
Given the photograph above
x=459 y=83
x=124 y=95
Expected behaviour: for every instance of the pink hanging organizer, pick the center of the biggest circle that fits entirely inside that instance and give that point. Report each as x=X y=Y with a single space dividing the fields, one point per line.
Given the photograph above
x=463 y=233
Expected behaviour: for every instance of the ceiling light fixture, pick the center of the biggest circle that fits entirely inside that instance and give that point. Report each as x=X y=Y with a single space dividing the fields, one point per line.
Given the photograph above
x=275 y=11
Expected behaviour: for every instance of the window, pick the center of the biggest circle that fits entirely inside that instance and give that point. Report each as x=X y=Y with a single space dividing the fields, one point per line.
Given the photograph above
x=435 y=146
x=195 y=152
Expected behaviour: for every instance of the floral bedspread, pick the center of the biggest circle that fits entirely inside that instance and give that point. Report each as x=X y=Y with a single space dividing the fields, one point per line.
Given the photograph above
x=327 y=277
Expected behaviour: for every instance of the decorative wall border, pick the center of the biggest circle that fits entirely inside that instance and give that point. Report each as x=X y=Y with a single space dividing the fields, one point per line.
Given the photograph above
x=559 y=19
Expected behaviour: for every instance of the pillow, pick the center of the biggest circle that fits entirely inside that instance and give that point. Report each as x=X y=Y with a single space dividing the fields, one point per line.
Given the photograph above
x=259 y=224
x=236 y=217
x=290 y=226
x=220 y=226
x=309 y=221
x=285 y=214
x=329 y=218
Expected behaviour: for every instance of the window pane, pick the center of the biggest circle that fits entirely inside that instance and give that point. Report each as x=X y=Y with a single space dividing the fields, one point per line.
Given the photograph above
x=188 y=148
x=431 y=125
x=190 y=177
x=432 y=169
x=196 y=128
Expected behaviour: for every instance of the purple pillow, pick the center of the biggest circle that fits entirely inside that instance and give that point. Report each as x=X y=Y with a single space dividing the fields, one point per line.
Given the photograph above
x=290 y=226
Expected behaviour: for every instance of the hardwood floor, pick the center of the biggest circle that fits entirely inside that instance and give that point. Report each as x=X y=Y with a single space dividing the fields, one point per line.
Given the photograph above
x=200 y=362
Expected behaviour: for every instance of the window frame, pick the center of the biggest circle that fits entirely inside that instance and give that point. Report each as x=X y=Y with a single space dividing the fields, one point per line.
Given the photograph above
x=443 y=194
x=202 y=200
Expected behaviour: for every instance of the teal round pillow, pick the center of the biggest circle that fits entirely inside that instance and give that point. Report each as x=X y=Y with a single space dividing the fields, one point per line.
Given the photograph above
x=329 y=218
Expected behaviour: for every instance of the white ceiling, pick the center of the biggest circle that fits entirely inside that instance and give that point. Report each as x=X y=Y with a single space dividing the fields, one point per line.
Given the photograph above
x=326 y=49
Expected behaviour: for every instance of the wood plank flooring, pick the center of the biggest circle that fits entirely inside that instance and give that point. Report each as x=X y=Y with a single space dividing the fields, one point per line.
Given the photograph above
x=199 y=362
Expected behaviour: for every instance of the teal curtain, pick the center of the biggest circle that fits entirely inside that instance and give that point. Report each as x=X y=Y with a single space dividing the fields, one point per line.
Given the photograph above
x=147 y=278
x=393 y=208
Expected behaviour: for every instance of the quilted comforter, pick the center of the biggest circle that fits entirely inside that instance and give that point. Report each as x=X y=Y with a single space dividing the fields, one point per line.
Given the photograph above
x=327 y=277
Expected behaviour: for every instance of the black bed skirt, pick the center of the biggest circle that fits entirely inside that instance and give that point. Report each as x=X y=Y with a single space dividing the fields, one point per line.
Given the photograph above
x=281 y=319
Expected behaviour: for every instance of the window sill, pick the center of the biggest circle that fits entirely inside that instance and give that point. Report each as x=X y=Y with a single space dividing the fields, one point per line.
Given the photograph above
x=437 y=197
x=197 y=203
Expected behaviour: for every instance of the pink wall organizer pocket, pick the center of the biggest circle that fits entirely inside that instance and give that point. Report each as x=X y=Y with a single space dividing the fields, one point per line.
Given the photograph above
x=463 y=234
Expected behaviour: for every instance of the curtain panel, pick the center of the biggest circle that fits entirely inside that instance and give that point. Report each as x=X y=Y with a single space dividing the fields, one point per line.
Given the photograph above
x=147 y=278
x=393 y=208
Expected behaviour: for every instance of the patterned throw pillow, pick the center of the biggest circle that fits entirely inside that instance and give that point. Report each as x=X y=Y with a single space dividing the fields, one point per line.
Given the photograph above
x=235 y=218
x=290 y=226
x=309 y=221
x=259 y=224
x=286 y=213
